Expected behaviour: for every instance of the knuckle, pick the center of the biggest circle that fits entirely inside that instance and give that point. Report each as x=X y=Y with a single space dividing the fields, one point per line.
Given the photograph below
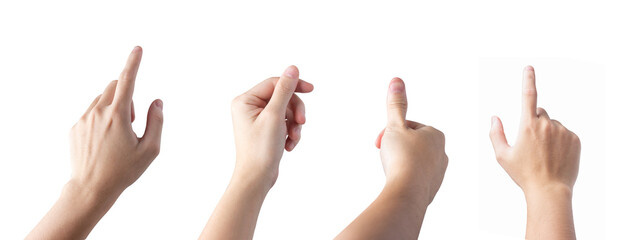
x=531 y=92
x=124 y=75
x=236 y=101
x=115 y=112
x=152 y=150
x=576 y=139
x=113 y=84
x=398 y=103
x=156 y=149
x=157 y=117
x=115 y=108
x=529 y=127
x=285 y=88
x=83 y=118
x=540 y=111
x=545 y=126
x=97 y=112
x=499 y=158
x=74 y=128
x=440 y=134
x=437 y=132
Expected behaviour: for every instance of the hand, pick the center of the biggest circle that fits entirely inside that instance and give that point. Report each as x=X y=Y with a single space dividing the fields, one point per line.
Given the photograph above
x=543 y=162
x=414 y=160
x=546 y=154
x=267 y=119
x=411 y=152
x=106 y=155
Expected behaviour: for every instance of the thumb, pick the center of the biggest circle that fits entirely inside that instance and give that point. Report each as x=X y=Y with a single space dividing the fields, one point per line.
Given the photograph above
x=283 y=91
x=396 y=103
x=497 y=136
x=154 y=123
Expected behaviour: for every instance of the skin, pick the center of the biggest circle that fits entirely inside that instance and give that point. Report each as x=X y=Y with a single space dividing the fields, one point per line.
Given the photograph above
x=414 y=161
x=267 y=119
x=543 y=162
x=106 y=158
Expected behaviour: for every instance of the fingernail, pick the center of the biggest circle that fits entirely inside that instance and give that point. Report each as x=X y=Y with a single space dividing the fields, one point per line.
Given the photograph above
x=291 y=145
x=298 y=130
x=159 y=104
x=530 y=68
x=396 y=86
x=493 y=121
x=292 y=72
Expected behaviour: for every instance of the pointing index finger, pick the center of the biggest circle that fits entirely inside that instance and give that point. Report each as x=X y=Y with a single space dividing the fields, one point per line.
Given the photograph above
x=529 y=93
x=126 y=81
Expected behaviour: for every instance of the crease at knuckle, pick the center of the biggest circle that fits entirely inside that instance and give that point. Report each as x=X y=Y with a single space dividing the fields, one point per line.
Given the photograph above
x=529 y=92
x=285 y=88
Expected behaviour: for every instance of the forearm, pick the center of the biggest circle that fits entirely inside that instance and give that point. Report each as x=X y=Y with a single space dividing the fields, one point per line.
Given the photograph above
x=237 y=211
x=74 y=215
x=549 y=213
x=395 y=214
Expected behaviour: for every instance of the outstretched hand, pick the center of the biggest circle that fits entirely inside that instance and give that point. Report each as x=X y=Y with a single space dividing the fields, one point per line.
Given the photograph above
x=543 y=162
x=106 y=157
x=106 y=154
x=546 y=154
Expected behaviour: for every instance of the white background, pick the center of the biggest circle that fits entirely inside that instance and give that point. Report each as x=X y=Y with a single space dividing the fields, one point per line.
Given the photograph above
x=461 y=61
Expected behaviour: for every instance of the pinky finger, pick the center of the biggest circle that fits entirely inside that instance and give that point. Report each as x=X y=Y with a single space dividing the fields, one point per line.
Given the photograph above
x=294 y=136
x=290 y=144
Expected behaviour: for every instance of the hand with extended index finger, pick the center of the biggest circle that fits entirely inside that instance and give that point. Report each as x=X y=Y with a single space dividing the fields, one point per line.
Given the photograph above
x=543 y=162
x=414 y=161
x=120 y=156
x=106 y=157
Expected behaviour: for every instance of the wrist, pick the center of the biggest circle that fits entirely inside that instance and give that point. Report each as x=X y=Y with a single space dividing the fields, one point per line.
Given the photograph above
x=549 y=212
x=548 y=193
x=89 y=196
x=254 y=181
x=411 y=193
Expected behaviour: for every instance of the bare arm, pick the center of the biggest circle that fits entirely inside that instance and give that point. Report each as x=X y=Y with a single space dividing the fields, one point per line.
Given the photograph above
x=267 y=119
x=414 y=160
x=106 y=157
x=543 y=162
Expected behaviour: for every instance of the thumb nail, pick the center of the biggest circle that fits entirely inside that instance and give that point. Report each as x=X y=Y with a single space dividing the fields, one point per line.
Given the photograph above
x=292 y=72
x=396 y=86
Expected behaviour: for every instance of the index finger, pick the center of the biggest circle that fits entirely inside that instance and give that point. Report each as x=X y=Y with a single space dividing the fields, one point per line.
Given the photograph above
x=264 y=90
x=126 y=81
x=529 y=93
